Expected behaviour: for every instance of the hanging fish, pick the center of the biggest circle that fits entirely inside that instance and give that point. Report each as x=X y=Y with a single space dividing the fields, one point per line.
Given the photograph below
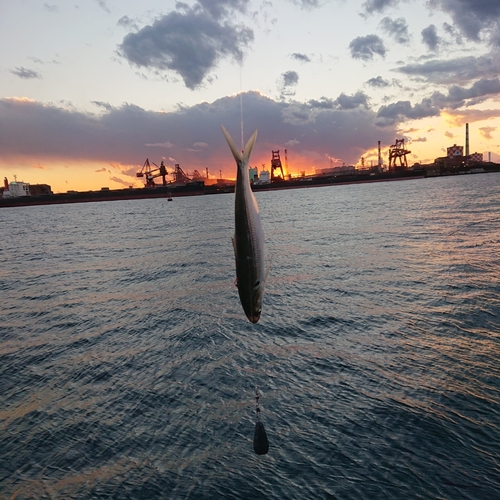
x=248 y=241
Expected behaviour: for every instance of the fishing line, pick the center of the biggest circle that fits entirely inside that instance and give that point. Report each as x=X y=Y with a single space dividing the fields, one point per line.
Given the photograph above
x=241 y=111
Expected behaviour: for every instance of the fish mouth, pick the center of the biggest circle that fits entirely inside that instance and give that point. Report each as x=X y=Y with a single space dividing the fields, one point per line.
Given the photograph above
x=253 y=317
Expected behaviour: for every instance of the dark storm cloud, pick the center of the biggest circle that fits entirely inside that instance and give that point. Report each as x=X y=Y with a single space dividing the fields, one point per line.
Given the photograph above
x=190 y=41
x=430 y=37
x=365 y=47
x=26 y=74
x=120 y=135
x=396 y=28
x=377 y=82
x=472 y=16
x=457 y=97
x=462 y=69
x=300 y=57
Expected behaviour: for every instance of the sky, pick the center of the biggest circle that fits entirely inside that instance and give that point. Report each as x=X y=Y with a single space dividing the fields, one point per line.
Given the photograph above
x=91 y=88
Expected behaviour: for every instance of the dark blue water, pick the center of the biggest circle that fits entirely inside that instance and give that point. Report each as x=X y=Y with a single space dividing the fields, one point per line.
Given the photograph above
x=128 y=368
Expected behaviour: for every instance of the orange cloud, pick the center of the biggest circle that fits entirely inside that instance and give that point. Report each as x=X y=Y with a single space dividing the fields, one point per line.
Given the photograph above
x=460 y=118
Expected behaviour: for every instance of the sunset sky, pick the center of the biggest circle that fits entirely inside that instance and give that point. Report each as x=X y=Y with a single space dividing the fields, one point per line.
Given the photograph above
x=91 y=88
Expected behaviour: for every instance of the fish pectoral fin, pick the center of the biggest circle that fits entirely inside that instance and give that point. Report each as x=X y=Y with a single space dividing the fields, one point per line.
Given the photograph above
x=267 y=271
x=234 y=247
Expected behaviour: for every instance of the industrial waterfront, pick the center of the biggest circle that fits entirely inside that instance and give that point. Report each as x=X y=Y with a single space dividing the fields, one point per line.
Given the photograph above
x=160 y=183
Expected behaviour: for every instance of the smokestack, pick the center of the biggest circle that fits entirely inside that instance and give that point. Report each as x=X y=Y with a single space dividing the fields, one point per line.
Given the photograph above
x=489 y=156
x=466 y=139
x=379 y=156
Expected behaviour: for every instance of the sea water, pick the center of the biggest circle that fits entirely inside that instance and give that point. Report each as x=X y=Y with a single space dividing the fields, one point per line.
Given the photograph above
x=128 y=368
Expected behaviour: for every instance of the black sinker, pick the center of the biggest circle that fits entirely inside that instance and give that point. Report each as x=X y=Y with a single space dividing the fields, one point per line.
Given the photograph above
x=260 y=442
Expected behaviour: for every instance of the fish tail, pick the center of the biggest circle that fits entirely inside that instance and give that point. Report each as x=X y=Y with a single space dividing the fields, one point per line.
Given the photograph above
x=248 y=148
x=232 y=145
x=239 y=157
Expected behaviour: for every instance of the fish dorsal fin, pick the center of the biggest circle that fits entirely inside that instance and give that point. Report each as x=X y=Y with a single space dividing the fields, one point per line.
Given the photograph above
x=232 y=145
x=248 y=148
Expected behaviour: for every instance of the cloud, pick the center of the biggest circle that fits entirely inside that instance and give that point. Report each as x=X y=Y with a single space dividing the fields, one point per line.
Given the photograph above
x=26 y=74
x=49 y=133
x=430 y=37
x=461 y=69
x=128 y=23
x=458 y=118
x=223 y=8
x=198 y=146
x=189 y=41
x=359 y=99
x=164 y=144
x=50 y=8
x=396 y=28
x=454 y=33
x=365 y=47
x=300 y=57
x=457 y=97
x=420 y=139
x=321 y=103
x=400 y=111
x=102 y=104
x=371 y=6
x=103 y=5
x=377 y=82
x=473 y=17
x=288 y=80
x=449 y=135
x=486 y=132
x=120 y=181
x=308 y=4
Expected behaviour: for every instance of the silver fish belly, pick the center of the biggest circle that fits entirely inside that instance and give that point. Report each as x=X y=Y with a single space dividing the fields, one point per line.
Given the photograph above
x=248 y=241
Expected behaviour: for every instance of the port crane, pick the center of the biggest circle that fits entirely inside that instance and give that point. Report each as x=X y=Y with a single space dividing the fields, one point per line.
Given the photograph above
x=180 y=177
x=151 y=173
x=276 y=165
x=398 y=152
